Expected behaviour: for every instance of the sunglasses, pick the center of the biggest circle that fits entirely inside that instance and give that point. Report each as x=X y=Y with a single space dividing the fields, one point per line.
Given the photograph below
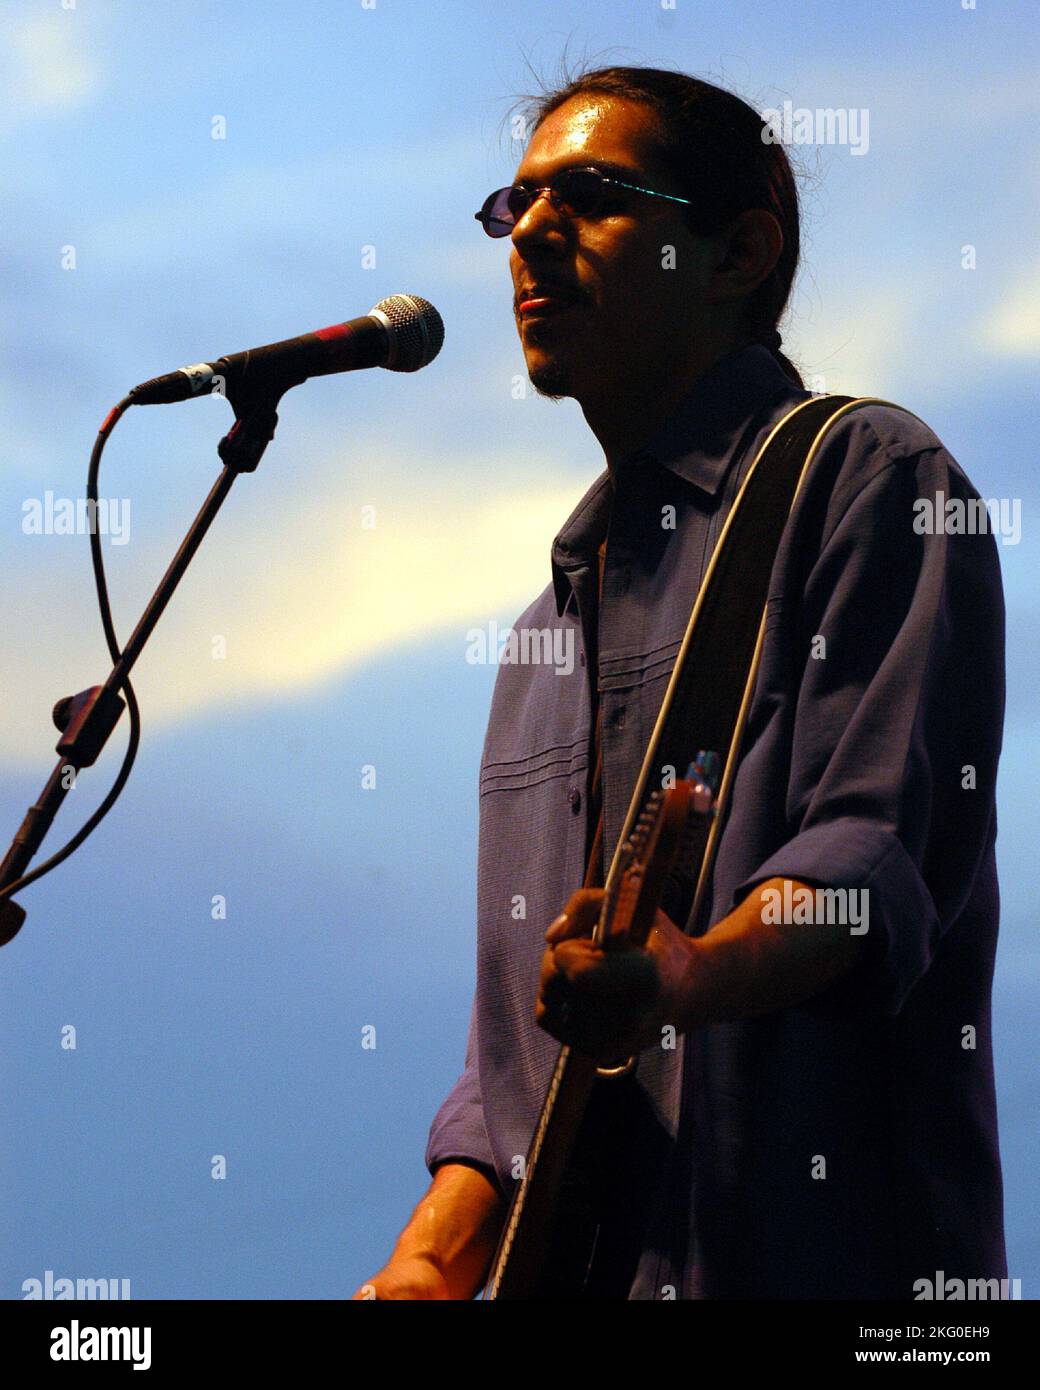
x=574 y=192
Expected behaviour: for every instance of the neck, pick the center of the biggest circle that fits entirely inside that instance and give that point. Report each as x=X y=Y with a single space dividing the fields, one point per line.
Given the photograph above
x=630 y=412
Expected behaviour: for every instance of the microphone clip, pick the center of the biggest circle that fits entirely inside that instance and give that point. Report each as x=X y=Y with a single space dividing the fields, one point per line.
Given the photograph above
x=256 y=419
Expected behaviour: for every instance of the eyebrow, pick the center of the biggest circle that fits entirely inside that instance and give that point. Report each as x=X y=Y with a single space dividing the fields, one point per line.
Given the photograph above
x=605 y=166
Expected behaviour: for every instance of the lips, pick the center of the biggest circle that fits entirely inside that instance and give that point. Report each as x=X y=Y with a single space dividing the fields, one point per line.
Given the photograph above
x=545 y=299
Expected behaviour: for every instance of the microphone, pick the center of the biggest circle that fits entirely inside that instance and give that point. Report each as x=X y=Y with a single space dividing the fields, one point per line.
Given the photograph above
x=402 y=333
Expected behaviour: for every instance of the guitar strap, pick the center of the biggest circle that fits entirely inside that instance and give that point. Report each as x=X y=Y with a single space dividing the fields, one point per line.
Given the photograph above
x=708 y=697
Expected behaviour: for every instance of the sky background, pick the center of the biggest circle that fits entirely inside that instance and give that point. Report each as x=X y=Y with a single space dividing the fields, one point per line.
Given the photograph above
x=351 y=126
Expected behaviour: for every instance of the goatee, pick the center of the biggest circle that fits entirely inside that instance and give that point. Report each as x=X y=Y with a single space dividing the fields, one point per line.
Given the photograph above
x=550 y=379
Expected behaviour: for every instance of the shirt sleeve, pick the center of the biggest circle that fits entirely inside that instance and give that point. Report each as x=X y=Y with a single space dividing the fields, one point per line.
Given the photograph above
x=458 y=1133
x=897 y=652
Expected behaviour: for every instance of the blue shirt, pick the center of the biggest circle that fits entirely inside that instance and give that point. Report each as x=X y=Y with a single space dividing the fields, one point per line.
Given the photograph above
x=846 y=1147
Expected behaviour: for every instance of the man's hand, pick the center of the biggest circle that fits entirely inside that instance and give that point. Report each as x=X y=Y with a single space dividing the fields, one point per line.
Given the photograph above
x=612 y=1003
x=410 y=1276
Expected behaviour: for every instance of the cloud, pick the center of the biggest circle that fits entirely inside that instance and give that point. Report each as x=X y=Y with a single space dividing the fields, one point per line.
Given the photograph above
x=48 y=68
x=297 y=598
x=855 y=348
x=1013 y=327
x=370 y=188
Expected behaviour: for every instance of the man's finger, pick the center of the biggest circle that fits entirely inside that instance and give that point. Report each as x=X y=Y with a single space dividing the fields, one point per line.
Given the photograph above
x=579 y=916
x=575 y=960
x=630 y=975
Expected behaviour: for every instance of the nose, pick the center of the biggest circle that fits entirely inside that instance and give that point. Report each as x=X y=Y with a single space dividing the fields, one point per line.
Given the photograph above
x=538 y=223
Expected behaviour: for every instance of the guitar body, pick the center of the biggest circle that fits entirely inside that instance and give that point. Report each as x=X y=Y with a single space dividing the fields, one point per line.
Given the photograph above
x=554 y=1232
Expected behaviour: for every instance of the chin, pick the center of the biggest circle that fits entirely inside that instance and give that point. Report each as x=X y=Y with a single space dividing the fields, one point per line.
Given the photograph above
x=550 y=378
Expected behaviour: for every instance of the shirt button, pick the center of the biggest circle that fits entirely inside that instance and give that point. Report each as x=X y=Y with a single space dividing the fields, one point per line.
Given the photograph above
x=574 y=797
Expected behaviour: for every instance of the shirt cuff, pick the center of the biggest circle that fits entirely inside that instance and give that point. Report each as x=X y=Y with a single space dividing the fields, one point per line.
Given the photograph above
x=458 y=1133
x=902 y=924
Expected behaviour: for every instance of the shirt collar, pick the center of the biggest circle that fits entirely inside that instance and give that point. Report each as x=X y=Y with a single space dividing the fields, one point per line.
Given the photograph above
x=576 y=544
x=698 y=442
x=699 y=439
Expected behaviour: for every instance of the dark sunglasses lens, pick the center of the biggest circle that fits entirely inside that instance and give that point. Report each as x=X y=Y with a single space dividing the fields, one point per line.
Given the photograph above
x=518 y=198
x=575 y=192
x=496 y=215
x=578 y=192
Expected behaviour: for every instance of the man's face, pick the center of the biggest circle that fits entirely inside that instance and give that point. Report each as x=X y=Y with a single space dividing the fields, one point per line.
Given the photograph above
x=628 y=307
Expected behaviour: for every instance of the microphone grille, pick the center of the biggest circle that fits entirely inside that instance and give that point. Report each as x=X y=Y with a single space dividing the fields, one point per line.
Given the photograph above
x=414 y=328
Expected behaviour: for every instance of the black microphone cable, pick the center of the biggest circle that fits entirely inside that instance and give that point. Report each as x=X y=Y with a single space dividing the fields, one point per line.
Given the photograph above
x=100 y=583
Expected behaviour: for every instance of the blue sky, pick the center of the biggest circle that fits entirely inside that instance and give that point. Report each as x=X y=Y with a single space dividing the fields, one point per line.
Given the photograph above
x=351 y=127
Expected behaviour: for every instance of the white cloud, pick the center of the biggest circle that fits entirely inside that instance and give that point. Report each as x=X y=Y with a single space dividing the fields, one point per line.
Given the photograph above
x=49 y=67
x=298 y=598
x=858 y=347
x=1013 y=328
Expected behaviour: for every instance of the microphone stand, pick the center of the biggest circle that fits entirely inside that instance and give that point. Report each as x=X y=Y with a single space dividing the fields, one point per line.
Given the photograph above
x=86 y=720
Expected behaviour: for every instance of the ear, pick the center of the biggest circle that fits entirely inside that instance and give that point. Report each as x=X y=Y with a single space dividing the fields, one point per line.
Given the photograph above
x=749 y=249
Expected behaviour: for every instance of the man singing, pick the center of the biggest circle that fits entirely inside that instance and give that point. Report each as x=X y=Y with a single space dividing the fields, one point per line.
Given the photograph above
x=826 y=1126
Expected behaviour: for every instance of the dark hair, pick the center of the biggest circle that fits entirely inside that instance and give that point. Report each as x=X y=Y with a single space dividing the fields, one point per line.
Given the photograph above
x=712 y=143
